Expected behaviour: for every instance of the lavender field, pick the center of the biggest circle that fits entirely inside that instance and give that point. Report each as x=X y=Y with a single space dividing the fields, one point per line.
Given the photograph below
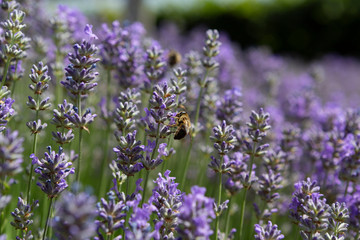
x=110 y=132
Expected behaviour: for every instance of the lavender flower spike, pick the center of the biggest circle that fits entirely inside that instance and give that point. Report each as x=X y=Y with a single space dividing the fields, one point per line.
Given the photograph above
x=74 y=218
x=53 y=170
x=270 y=232
x=195 y=215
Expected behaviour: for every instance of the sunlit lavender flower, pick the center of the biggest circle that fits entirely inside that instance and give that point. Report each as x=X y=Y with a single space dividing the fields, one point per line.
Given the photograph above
x=224 y=138
x=339 y=215
x=74 y=217
x=126 y=110
x=309 y=209
x=60 y=120
x=129 y=154
x=23 y=217
x=112 y=215
x=11 y=151
x=80 y=77
x=270 y=232
x=40 y=78
x=167 y=199
x=161 y=104
x=196 y=214
x=53 y=169
x=211 y=49
x=83 y=121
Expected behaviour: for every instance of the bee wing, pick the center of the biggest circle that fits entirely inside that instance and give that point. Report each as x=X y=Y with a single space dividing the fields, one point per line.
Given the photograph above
x=180 y=132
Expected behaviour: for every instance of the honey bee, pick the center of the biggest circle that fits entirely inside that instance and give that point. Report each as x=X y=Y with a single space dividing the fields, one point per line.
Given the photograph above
x=183 y=125
x=174 y=58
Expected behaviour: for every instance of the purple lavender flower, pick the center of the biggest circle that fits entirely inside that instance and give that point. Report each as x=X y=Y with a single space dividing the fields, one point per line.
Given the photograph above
x=36 y=126
x=148 y=162
x=167 y=199
x=112 y=215
x=154 y=65
x=61 y=121
x=74 y=218
x=11 y=151
x=4 y=200
x=53 y=169
x=83 y=121
x=211 y=49
x=223 y=138
x=121 y=50
x=22 y=217
x=229 y=108
x=309 y=209
x=269 y=184
x=195 y=215
x=80 y=76
x=40 y=78
x=5 y=112
x=129 y=154
x=337 y=220
x=126 y=111
x=270 y=232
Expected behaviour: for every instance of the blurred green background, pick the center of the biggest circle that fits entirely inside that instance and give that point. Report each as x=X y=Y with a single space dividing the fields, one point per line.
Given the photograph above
x=303 y=28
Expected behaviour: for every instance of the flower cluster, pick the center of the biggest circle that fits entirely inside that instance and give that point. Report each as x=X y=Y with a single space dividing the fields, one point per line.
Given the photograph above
x=195 y=215
x=53 y=169
x=168 y=200
x=74 y=218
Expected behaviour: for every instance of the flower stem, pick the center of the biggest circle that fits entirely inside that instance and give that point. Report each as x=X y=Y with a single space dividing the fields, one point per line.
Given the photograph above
x=79 y=158
x=228 y=216
x=346 y=188
x=219 y=202
x=34 y=147
x=145 y=186
x=252 y=157
x=47 y=218
x=197 y=112
x=7 y=64
x=80 y=140
x=104 y=176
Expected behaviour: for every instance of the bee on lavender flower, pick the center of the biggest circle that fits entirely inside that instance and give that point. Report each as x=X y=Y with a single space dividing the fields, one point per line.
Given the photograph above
x=183 y=125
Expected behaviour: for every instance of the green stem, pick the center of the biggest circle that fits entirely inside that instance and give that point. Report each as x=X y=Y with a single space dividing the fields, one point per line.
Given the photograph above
x=165 y=163
x=152 y=157
x=79 y=158
x=198 y=103
x=145 y=186
x=34 y=147
x=47 y=218
x=7 y=64
x=104 y=169
x=252 y=157
x=104 y=176
x=228 y=216
x=80 y=140
x=219 y=202
x=187 y=162
x=346 y=188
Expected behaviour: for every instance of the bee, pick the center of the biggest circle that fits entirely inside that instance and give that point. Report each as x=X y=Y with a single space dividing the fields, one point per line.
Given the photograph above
x=174 y=58
x=183 y=125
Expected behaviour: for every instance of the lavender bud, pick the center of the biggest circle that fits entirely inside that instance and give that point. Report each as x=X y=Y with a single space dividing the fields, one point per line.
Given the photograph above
x=270 y=232
x=22 y=215
x=36 y=126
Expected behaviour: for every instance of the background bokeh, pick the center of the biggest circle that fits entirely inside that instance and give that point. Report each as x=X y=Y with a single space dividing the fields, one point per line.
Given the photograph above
x=303 y=28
